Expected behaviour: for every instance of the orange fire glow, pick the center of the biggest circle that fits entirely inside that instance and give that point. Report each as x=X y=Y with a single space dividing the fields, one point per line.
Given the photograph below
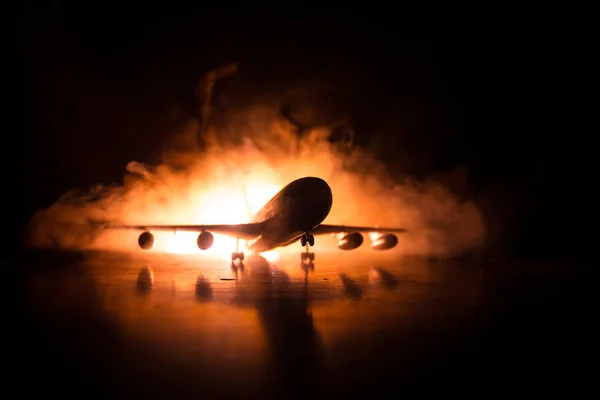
x=209 y=189
x=222 y=205
x=185 y=243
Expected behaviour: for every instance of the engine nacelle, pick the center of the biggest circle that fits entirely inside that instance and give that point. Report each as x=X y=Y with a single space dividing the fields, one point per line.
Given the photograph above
x=146 y=240
x=350 y=241
x=384 y=242
x=205 y=240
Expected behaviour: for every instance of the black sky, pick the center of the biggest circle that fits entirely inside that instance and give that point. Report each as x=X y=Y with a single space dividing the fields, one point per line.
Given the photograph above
x=94 y=86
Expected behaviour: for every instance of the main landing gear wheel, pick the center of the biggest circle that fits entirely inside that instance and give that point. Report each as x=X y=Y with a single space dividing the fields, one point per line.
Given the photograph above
x=307 y=258
x=307 y=238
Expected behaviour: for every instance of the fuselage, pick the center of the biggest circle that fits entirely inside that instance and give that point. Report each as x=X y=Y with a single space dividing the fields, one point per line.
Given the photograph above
x=296 y=209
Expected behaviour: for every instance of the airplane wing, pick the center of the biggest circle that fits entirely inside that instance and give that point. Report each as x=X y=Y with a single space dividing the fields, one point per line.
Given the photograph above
x=325 y=229
x=241 y=231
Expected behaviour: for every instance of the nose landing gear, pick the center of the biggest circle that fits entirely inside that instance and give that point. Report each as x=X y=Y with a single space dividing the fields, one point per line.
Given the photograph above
x=237 y=255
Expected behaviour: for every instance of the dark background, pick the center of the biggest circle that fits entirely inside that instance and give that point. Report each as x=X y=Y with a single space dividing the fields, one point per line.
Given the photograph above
x=99 y=86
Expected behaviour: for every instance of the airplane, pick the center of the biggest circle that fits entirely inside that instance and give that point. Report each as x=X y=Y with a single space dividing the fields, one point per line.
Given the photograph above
x=296 y=212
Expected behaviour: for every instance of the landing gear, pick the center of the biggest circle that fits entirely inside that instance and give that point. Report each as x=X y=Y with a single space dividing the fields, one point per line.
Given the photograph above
x=307 y=238
x=307 y=258
x=237 y=255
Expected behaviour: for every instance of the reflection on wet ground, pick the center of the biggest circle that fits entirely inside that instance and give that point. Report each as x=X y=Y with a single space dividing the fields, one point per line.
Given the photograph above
x=123 y=325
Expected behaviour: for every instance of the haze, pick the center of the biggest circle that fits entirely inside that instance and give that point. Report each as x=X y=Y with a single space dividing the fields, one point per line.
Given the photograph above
x=256 y=148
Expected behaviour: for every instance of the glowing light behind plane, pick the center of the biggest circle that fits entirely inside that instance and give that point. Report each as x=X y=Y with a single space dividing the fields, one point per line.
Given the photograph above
x=374 y=236
x=222 y=205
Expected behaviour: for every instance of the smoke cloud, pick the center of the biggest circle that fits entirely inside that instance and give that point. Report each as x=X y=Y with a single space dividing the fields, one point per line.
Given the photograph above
x=207 y=165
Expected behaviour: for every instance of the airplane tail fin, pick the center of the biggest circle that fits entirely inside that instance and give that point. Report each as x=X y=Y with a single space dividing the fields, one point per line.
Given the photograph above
x=247 y=201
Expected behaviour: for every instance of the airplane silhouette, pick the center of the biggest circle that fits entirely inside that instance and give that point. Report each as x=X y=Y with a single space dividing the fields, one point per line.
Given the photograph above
x=296 y=212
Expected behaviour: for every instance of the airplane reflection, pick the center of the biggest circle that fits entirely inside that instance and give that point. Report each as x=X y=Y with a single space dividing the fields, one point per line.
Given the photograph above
x=204 y=291
x=145 y=280
x=296 y=350
x=307 y=265
x=385 y=278
x=350 y=288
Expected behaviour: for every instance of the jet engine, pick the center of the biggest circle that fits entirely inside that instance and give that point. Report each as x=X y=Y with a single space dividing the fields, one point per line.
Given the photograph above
x=350 y=241
x=205 y=240
x=384 y=242
x=146 y=240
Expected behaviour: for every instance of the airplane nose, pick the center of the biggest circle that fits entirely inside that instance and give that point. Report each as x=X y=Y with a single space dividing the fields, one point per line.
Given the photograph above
x=326 y=192
x=322 y=195
x=320 y=188
x=317 y=200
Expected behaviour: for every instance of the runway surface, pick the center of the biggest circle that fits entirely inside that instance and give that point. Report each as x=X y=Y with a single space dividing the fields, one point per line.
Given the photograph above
x=120 y=325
